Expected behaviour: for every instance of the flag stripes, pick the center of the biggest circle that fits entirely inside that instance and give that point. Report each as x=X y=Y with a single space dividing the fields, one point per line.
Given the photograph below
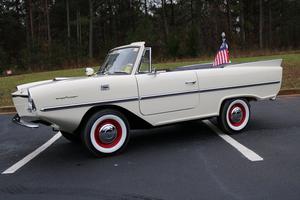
x=222 y=56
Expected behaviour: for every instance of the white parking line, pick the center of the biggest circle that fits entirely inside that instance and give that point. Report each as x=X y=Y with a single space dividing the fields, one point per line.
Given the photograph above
x=32 y=155
x=248 y=153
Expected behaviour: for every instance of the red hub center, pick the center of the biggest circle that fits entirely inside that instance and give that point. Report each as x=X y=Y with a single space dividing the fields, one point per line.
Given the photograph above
x=237 y=114
x=103 y=131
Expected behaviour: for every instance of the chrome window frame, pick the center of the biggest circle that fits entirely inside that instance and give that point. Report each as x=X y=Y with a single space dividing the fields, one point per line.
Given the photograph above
x=150 y=60
x=125 y=47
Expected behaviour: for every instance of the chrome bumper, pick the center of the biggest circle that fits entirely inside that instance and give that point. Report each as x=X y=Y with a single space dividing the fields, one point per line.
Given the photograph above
x=17 y=119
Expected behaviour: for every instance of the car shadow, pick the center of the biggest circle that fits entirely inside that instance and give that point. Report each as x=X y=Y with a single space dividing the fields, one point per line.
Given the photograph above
x=178 y=140
x=172 y=135
x=160 y=138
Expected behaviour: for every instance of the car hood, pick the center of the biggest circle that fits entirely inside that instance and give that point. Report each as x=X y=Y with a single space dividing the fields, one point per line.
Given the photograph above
x=23 y=88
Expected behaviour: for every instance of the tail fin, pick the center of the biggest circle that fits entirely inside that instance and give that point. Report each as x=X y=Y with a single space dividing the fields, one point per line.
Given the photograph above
x=264 y=63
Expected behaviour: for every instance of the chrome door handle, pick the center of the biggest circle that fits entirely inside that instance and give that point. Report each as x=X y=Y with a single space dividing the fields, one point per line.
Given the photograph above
x=190 y=82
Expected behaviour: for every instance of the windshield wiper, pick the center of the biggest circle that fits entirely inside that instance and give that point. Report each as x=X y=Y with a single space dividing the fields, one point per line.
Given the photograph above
x=118 y=72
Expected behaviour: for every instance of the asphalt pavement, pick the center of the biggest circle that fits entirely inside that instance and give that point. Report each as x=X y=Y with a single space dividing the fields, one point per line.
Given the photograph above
x=183 y=161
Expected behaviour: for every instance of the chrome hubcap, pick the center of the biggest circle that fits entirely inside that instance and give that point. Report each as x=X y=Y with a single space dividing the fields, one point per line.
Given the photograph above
x=107 y=133
x=236 y=115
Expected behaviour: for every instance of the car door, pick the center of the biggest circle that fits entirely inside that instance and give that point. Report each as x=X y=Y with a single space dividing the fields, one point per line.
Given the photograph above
x=164 y=92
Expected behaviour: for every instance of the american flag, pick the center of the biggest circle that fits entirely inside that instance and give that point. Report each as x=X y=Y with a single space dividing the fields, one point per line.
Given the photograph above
x=222 y=56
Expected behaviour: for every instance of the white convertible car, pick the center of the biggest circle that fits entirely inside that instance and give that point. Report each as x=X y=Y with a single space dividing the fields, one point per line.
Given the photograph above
x=128 y=93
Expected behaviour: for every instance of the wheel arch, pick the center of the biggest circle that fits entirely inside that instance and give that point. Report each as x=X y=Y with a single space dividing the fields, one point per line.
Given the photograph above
x=134 y=121
x=248 y=98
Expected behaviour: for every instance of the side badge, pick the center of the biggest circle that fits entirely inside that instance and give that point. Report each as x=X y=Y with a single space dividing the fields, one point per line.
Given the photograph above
x=104 y=87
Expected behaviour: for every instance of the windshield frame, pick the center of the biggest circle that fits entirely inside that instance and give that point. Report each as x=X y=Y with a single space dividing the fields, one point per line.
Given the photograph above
x=100 y=71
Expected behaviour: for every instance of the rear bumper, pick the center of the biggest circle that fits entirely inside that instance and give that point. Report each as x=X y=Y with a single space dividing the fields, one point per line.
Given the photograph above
x=18 y=120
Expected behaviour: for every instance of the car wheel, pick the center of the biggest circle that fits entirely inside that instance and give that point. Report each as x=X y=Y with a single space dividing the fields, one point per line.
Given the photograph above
x=234 y=115
x=106 y=133
x=71 y=137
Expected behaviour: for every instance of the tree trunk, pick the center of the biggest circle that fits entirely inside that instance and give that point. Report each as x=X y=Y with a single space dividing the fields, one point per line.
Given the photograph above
x=165 y=23
x=68 y=25
x=78 y=28
x=172 y=13
x=270 y=23
x=30 y=22
x=192 y=12
x=28 y=41
x=242 y=22
x=229 y=18
x=48 y=23
x=91 y=29
x=261 y=24
x=146 y=7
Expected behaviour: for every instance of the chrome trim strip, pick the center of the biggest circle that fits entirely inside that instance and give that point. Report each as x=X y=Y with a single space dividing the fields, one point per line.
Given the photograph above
x=45 y=109
x=168 y=95
x=168 y=111
x=206 y=90
x=153 y=96
x=241 y=86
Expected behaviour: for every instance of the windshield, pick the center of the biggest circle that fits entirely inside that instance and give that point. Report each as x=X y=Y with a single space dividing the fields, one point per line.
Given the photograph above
x=119 y=61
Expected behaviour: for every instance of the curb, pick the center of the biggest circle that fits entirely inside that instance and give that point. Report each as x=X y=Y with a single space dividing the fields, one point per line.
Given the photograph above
x=287 y=92
x=7 y=109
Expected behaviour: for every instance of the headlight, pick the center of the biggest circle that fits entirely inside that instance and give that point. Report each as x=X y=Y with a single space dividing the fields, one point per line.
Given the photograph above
x=31 y=106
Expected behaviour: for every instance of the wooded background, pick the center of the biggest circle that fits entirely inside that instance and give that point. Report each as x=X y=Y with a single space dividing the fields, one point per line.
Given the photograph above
x=52 y=34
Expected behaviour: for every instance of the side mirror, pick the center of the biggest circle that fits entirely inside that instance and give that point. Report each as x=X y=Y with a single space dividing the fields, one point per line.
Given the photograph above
x=89 y=71
x=153 y=71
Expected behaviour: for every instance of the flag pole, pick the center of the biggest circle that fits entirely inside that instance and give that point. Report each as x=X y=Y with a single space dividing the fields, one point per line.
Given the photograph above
x=222 y=56
x=223 y=36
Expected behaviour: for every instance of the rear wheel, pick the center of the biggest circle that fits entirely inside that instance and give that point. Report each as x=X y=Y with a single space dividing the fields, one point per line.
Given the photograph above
x=106 y=133
x=234 y=115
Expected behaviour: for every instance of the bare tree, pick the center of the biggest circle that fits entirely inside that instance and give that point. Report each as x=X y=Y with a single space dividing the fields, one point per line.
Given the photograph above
x=270 y=23
x=48 y=22
x=172 y=13
x=68 y=24
x=146 y=7
x=165 y=23
x=192 y=12
x=261 y=18
x=242 y=21
x=91 y=29
x=78 y=28
x=229 y=18
x=29 y=23
x=30 y=19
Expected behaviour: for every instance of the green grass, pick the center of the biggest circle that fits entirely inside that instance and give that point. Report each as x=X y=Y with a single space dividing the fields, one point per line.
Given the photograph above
x=291 y=73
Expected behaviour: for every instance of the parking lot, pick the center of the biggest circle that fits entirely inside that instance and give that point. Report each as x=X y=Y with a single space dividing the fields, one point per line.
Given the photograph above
x=184 y=161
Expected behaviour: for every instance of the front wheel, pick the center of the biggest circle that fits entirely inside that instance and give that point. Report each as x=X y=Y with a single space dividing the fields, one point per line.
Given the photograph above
x=106 y=133
x=234 y=115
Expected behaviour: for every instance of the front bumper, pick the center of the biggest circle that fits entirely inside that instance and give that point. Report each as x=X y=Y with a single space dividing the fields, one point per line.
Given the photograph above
x=18 y=120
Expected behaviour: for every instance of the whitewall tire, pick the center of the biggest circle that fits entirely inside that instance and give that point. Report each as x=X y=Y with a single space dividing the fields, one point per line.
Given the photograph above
x=106 y=132
x=234 y=115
